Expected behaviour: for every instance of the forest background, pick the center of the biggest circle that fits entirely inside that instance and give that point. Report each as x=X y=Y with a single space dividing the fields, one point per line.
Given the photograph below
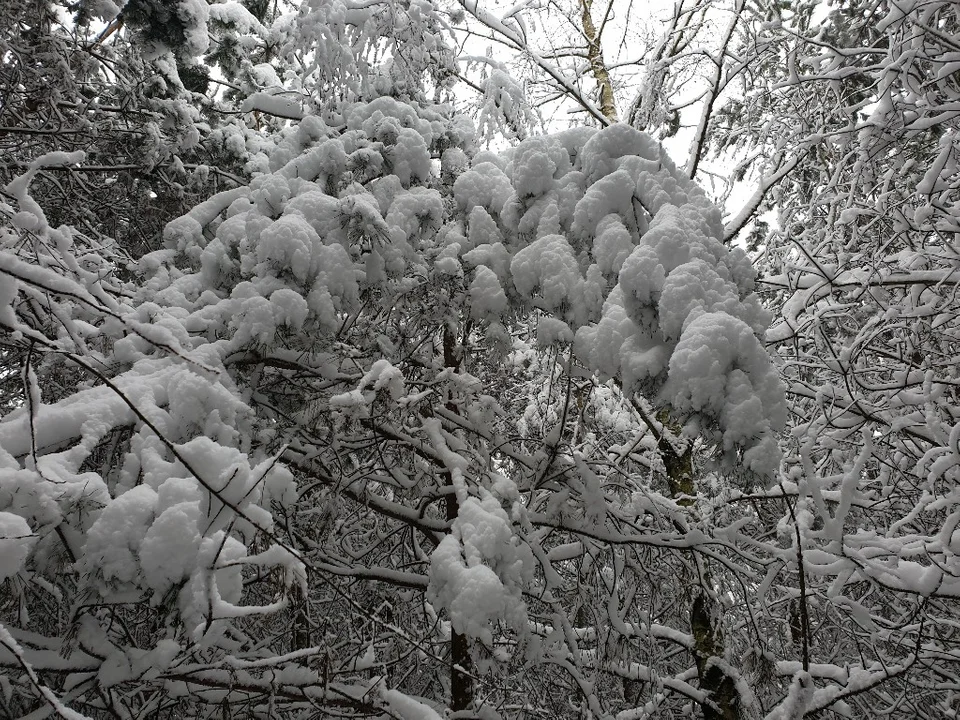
x=352 y=369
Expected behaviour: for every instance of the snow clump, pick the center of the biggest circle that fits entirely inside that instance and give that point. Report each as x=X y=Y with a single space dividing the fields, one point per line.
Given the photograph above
x=479 y=570
x=624 y=255
x=15 y=541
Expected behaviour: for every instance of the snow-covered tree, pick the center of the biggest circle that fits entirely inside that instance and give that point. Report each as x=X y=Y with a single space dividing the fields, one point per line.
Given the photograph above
x=291 y=387
x=395 y=426
x=580 y=57
x=277 y=465
x=114 y=92
x=862 y=269
x=840 y=121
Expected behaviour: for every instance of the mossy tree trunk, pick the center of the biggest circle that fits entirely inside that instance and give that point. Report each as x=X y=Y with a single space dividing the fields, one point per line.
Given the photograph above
x=704 y=620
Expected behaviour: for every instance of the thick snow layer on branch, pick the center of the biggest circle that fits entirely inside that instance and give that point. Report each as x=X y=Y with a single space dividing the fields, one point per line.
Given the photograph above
x=406 y=708
x=487 y=298
x=76 y=417
x=217 y=580
x=534 y=165
x=114 y=541
x=655 y=230
x=548 y=269
x=194 y=14
x=580 y=212
x=613 y=245
x=235 y=14
x=478 y=571
x=169 y=549
x=720 y=371
x=484 y=185
x=276 y=105
x=15 y=541
x=288 y=244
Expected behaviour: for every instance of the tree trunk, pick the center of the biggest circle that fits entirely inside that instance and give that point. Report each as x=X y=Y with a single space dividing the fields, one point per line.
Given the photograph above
x=708 y=644
x=707 y=638
x=597 y=65
x=461 y=684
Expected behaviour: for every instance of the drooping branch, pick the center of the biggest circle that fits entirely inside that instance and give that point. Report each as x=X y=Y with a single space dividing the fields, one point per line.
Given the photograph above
x=716 y=85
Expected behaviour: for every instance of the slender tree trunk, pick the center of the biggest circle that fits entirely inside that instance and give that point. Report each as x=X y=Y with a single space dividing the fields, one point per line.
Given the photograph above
x=608 y=105
x=708 y=644
x=704 y=625
x=461 y=684
x=679 y=467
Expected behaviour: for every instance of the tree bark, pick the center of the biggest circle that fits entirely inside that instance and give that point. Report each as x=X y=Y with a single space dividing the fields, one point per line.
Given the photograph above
x=708 y=644
x=707 y=637
x=608 y=105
